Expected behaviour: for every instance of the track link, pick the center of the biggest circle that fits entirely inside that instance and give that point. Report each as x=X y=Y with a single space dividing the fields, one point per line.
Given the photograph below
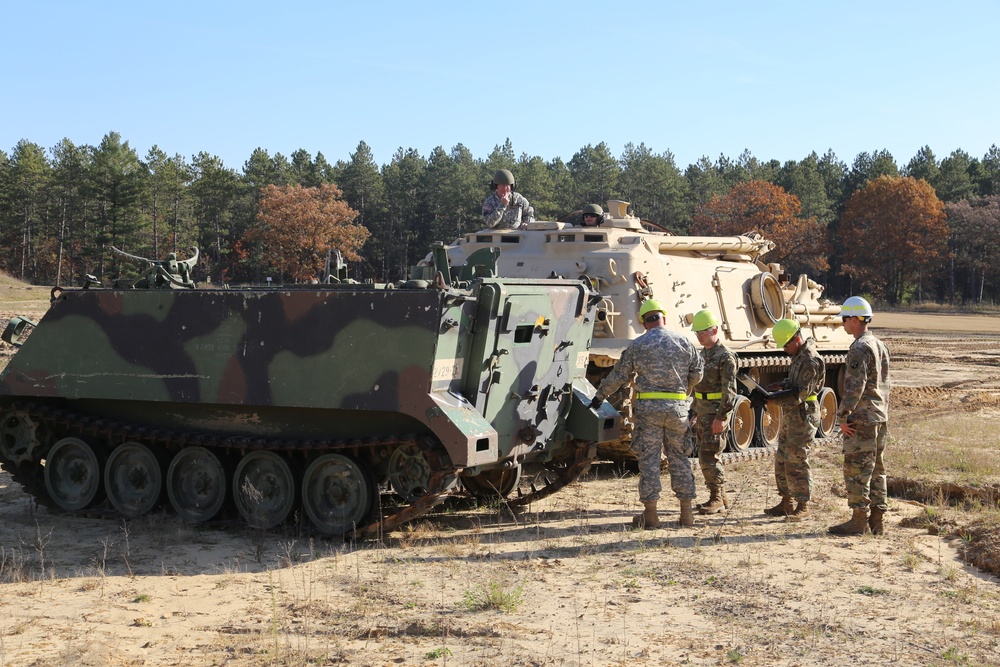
x=66 y=422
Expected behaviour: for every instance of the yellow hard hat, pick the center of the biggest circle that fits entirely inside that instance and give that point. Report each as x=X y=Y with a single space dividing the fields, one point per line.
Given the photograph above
x=784 y=331
x=704 y=319
x=649 y=306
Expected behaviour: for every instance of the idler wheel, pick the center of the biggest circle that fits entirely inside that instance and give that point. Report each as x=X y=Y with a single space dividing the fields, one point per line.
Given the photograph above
x=497 y=483
x=263 y=489
x=133 y=478
x=196 y=484
x=72 y=474
x=337 y=495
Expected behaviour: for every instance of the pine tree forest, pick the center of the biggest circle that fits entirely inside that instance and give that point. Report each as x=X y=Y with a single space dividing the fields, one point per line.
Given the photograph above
x=928 y=229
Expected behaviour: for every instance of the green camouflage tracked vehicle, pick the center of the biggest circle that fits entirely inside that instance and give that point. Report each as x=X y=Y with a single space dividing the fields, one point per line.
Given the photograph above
x=264 y=401
x=628 y=263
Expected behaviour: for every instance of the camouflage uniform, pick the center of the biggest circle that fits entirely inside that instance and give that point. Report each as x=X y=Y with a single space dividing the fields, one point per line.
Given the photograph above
x=519 y=212
x=799 y=420
x=865 y=404
x=719 y=378
x=662 y=361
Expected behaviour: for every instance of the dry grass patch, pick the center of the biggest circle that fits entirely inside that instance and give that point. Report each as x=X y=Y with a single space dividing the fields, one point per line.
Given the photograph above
x=930 y=449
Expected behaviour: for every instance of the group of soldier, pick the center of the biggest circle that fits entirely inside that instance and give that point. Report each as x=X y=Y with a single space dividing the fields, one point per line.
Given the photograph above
x=667 y=370
x=679 y=389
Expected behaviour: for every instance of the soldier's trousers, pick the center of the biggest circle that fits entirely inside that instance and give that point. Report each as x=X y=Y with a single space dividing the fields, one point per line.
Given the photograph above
x=791 y=462
x=710 y=448
x=864 y=466
x=666 y=431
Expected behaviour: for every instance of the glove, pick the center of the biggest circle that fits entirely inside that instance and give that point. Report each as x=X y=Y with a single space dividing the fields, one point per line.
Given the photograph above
x=595 y=403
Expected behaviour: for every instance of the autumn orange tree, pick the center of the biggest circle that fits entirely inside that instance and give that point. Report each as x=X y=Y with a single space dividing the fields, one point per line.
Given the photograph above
x=297 y=226
x=895 y=234
x=800 y=243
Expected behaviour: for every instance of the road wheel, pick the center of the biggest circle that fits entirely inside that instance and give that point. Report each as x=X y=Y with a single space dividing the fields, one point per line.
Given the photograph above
x=263 y=489
x=196 y=484
x=741 y=425
x=73 y=474
x=337 y=494
x=133 y=478
x=827 y=413
x=768 y=424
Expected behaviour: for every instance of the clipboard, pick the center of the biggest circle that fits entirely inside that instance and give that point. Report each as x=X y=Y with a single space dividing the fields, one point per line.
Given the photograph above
x=756 y=389
x=750 y=383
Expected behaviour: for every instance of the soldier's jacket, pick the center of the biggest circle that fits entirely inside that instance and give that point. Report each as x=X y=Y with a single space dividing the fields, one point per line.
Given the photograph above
x=807 y=373
x=719 y=377
x=663 y=361
x=495 y=214
x=866 y=382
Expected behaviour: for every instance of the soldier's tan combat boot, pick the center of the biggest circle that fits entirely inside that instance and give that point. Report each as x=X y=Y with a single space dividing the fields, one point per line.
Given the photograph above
x=875 y=521
x=648 y=519
x=801 y=511
x=784 y=508
x=687 y=515
x=717 y=501
x=856 y=525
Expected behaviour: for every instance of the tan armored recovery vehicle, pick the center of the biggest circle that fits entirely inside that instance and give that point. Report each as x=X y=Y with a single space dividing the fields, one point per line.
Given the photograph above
x=627 y=263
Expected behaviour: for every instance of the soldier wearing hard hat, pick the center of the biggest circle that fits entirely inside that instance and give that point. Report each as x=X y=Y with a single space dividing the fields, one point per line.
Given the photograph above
x=798 y=397
x=714 y=400
x=666 y=367
x=504 y=208
x=864 y=417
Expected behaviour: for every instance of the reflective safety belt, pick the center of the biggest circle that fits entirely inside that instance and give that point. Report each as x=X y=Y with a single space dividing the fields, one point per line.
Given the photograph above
x=714 y=396
x=661 y=394
x=811 y=397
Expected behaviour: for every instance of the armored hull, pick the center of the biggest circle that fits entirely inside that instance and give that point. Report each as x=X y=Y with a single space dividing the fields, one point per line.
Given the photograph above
x=265 y=400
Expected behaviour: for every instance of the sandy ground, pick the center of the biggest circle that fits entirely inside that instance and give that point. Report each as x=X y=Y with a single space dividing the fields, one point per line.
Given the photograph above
x=563 y=583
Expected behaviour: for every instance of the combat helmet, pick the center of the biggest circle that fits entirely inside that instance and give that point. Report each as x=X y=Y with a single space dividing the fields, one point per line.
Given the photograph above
x=503 y=177
x=593 y=209
x=784 y=331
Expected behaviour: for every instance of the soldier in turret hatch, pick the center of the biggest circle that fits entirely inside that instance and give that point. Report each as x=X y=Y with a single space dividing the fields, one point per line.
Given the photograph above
x=592 y=216
x=504 y=208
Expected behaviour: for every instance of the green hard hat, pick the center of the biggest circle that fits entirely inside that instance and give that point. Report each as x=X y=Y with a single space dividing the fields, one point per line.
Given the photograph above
x=783 y=331
x=704 y=319
x=649 y=306
x=503 y=177
x=593 y=208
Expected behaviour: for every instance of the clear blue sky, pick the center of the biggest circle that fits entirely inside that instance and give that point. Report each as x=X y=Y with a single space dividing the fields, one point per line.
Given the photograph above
x=781 y=79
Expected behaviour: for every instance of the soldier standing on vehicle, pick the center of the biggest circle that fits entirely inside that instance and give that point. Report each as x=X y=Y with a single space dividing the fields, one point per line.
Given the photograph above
x=714 y=400
x=592 y=216
x=504 y=208
x=666 y=367
x=798 y=397
x=864 y=417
